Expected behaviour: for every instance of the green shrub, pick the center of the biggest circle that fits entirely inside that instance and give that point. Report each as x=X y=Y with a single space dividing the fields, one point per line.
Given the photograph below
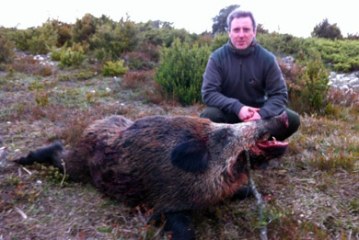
x=56 y=55
x=20 y=38
x=162 y=33
x=309 y=93
x=219 y=40
x=42 y=39
x=112 y=39
x=180 y=71
x=281 y=44
x=68 y=57
x=338 y=55
x=6 y=49
x=117 y=68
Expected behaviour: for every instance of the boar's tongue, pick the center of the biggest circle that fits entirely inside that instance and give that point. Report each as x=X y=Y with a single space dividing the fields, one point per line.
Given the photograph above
x=264 y=151
x=273 y=148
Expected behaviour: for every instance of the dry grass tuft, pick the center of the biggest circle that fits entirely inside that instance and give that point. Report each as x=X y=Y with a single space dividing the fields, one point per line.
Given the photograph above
x=30 y=65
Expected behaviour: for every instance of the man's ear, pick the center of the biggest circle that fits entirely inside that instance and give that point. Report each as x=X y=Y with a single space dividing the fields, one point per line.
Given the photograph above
x=191 y=156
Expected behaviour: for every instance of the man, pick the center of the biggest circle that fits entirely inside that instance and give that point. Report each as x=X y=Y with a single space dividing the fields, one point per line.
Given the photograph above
x=243 y=82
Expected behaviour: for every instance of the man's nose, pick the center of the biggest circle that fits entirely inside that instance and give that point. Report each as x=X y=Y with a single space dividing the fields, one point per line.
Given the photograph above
x=240 y=33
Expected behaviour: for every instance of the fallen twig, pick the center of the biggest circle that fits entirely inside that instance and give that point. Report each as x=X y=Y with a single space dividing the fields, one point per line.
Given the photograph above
x=23 y=215
x=27 y=170
x=259 y=200
x=64 y=175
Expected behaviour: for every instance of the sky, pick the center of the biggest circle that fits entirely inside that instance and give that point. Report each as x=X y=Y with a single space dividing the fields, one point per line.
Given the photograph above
x=297 y=18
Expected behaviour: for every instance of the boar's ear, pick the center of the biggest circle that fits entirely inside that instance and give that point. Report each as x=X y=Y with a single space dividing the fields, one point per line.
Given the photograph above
x=190 y=156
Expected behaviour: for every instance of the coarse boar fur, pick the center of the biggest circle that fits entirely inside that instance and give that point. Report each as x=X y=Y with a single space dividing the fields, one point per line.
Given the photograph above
x=169 y=163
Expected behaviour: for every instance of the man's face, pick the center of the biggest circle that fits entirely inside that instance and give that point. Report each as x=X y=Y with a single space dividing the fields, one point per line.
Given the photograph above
x=241 y=32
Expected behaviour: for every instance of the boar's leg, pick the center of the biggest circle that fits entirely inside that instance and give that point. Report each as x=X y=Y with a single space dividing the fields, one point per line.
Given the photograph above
x=179 y=225
x=50 y=154
x=243 y=193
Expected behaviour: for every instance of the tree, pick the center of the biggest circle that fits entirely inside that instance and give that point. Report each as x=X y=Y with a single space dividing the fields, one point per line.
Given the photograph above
x=84 y=28
x=352 y=36
x=261 y=30
x=220 y=21
x=327 y=30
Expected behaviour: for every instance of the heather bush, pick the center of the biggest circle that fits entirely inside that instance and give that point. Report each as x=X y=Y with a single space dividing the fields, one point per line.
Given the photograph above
x=139 y=60
x=180 y=71
x=31 y=65
x=136 y=79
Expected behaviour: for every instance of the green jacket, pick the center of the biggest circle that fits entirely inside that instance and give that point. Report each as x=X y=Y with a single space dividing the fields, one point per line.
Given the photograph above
x=234 y=78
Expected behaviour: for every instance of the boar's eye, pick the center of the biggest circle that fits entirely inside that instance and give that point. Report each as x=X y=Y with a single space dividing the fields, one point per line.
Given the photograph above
x=190 y=156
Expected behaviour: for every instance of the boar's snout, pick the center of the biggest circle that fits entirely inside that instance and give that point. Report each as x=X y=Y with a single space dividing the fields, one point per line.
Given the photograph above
x=276 y=124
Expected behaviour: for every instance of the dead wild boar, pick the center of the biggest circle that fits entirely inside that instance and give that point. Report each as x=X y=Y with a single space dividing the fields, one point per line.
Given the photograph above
x=172 y=164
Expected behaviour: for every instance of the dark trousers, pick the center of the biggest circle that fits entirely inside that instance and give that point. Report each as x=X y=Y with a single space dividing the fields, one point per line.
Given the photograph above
x=218 y=116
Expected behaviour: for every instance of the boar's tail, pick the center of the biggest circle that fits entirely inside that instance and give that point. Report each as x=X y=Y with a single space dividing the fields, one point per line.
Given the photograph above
x=50 y=154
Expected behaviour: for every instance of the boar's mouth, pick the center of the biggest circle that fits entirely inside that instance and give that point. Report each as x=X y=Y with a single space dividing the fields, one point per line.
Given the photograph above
x=263 y=151
x=272 y=148
x=260 y=153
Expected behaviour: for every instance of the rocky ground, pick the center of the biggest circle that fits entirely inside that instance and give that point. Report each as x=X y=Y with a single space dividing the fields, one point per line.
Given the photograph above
x=345 y=81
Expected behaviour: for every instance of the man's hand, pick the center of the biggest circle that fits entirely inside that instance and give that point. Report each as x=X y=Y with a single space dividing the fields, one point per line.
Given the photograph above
x=249 y=114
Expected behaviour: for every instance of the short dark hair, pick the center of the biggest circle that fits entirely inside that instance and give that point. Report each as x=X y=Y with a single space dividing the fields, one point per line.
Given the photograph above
x=237 y=13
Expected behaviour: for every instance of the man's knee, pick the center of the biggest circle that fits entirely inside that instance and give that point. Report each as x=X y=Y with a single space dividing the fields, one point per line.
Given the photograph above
x=213 y=114
x=218 y=116
x=293 y=120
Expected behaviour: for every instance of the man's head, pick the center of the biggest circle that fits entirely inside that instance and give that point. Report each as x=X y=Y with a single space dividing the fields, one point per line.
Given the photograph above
x=241 y=28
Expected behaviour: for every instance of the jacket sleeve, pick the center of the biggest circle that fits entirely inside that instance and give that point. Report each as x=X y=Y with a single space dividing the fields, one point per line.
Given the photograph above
x=212 y=89
x=276 y=90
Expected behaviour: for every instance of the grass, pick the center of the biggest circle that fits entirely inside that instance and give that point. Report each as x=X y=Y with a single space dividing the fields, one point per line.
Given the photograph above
x=311 y=193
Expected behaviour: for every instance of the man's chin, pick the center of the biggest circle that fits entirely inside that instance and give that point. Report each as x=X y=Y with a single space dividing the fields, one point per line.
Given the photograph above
x=241 y=47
